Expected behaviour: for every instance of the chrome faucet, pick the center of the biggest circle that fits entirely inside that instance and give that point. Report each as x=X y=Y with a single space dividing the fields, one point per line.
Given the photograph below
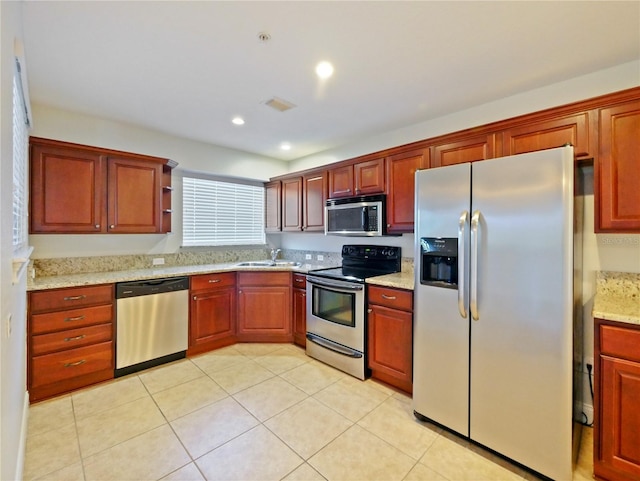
x=274 y=254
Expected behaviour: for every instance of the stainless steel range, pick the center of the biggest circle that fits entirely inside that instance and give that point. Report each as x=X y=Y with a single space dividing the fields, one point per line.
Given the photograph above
x=336 y=332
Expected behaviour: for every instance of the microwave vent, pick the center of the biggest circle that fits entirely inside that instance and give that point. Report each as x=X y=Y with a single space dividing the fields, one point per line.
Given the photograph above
x=278 y=104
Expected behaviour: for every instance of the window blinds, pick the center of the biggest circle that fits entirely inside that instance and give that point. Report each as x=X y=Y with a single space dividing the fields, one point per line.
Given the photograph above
x=216 y=213
x=20 y=156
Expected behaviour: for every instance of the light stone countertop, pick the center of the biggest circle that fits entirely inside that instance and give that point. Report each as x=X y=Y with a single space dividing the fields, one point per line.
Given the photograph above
x=617 y=297
x=399 y=280
x=94 y=278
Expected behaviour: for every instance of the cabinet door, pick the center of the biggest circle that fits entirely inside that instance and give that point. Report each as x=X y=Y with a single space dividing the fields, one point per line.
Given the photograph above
x=67 y=191
x=468 y=150
x=341 y=182
x=264 y=314
x=213 y=316
x=617 y=169
x=390 y=345
x=315 y=194
x=292 y=204
x=619 y=441
x=300 y=317
x=273 y=208
x=401 y=169
x=549 y=134
x=369 y=177
x=134 y=196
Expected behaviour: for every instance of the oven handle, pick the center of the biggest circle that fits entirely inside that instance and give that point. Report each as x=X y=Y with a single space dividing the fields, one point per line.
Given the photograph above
x=346 y=286
x=333 y=346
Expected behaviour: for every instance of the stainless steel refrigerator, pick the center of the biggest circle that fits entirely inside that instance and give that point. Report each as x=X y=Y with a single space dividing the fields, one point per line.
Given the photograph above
x=494 y=305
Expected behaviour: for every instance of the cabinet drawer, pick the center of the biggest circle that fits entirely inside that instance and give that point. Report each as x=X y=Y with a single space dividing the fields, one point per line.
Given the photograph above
x=209 y=281
x=299 y=281
x=389 y=297
x=264 y=278
x=55 y=299
x=71 y=319
x=59 y=366
x=622 y=342
x=70 y=339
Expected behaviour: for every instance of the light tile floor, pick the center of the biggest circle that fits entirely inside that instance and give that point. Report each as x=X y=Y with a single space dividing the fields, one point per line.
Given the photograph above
x=251 y=412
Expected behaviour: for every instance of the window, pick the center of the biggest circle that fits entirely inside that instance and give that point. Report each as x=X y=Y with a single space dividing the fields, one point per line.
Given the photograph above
x=20 y=157
x=217 y=213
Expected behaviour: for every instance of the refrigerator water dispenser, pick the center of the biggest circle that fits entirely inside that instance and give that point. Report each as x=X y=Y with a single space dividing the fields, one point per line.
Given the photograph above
x=439 y=262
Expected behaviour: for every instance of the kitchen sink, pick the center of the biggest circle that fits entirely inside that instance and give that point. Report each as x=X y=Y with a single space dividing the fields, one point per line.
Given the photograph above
x=269 y=264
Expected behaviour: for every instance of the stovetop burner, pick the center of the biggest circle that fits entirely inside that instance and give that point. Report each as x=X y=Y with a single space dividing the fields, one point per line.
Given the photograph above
x=362 y=261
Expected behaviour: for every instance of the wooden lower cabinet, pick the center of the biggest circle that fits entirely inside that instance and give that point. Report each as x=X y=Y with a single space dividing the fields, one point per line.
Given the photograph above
x=390 y=336
x=264 y=307
x=299 y=293
x=212 y=312
x=70 y=339
x=617 y=391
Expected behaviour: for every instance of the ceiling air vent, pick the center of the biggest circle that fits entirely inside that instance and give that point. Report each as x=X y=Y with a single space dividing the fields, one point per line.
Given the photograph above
x=279 y=104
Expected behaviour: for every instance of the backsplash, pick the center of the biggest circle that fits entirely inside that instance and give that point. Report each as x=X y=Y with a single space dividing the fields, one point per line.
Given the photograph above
x=618 y=284
x=83 y=265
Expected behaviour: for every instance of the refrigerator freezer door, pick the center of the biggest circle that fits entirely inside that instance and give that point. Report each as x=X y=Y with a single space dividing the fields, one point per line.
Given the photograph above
x=521 y=344
x=441 y=334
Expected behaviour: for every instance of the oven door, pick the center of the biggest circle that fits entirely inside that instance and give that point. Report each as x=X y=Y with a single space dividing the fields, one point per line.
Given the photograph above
x=335 y=312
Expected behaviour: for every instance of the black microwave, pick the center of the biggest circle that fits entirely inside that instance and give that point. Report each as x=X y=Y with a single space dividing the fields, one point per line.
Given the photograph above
x=356 y=216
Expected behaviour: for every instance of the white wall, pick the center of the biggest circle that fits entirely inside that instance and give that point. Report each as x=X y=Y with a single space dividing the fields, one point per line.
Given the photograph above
x=12 y=297
x=191 y=155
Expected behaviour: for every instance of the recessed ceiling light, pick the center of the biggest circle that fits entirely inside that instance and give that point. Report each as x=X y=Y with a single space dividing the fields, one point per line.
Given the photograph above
x=237 y=121
x=324 y=70
x=285 y=146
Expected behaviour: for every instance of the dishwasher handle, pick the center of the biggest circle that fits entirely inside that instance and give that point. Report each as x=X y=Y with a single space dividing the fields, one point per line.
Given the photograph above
x=150 y=287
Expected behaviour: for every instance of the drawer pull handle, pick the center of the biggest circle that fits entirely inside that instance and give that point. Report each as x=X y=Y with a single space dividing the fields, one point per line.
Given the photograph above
x=299 y=280
x=73 y=364
x=213 y=281
x=391 y=298
x=77 y=318
x=74 y=298
x=76 y=338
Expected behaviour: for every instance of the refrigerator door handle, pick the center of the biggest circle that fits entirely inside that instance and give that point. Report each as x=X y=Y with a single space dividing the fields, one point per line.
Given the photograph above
x=473 y=293
x=462 y=231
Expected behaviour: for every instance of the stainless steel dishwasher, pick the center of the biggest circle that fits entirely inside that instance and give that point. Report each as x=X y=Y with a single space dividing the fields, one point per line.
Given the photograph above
x=152 y=323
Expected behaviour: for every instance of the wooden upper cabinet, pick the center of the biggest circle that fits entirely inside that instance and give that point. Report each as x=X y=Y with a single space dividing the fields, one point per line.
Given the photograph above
x=273 y=207
x=549 y=134
x=314 y=189
x=292 y=204
x=617 y=169
x=360 y=178
x=401 y=169
x=471 y=149
x=369 y=177
x=134 y=196
x=67 y=190
x=85 y=190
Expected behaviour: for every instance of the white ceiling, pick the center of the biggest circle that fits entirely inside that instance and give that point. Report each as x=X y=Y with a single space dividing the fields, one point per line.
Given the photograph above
x=186 y=68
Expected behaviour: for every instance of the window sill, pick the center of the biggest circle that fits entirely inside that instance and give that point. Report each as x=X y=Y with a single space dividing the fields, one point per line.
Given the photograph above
x=20 y=262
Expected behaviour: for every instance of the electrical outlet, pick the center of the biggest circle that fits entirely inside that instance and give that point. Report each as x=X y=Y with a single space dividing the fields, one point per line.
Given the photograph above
x=158 y=261
x=308 y=257
x=588 y=360
x=320 y=257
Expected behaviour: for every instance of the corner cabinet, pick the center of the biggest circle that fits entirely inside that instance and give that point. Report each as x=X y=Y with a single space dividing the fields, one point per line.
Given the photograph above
x=264 y=307
x=70 y=339
x=212 y=312
x=617 y=169
x=616 y=442
x=390 y=336
x=78 y=189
